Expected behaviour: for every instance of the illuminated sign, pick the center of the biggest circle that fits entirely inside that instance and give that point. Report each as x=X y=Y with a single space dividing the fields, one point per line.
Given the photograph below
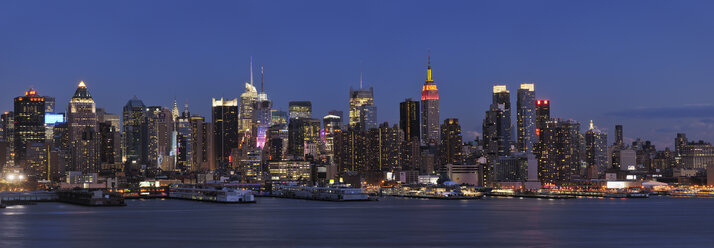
x=616 y=185
x=54 y=118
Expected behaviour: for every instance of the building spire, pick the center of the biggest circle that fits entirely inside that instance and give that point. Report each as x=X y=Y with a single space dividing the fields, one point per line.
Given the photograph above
x=428 y=68
x=360 y=79
x=591 y=125
x=261 y=79
x=251 y=70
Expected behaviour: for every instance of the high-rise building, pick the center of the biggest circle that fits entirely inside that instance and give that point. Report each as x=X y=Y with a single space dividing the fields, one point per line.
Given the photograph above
x=451 y=142
x=693 y=155
x=199 y=144
x=383 y=147
x=363 y=113
x=246 y=111
x=160 y=126
x=430 y=130
x=409 y=118
x=301 y=133
x=225 y=130
x=542 y=114
x=596 y=149
x=8 y=135
x=351 y=150
x=135 y=133
x=278 y=117
x=526 y=118
x=49 y=105
x=184 y=142
x=300 y=109
x=496 y=131
x=29 y=122
x=558 y=151
x=618 y=135
x=331 y=124
x=83 y=130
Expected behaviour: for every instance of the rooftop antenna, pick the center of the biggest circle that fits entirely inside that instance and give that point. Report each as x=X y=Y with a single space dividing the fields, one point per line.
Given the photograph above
x=251 y=70
x=360 y=74
x=261 y=79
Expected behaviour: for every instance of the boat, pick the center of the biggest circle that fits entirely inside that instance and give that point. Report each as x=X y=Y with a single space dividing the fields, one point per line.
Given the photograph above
x=211 y=194
x=626 y=195
x=320 y=193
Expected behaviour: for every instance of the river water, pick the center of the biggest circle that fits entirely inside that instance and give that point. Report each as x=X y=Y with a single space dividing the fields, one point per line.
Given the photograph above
x=390 y=222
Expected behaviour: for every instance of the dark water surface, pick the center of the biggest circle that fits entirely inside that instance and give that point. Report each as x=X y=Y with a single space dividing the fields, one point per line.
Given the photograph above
x=390 y=222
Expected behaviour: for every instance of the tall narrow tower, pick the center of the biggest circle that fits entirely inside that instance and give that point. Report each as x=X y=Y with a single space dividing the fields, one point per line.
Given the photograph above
x=526 y=117
x=83 y=129
x=430 y=129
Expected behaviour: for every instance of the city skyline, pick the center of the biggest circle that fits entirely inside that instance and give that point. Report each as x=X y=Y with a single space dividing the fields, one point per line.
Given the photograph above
x=611 y=77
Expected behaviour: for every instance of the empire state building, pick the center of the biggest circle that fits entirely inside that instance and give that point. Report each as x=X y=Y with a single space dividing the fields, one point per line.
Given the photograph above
x=430 y=131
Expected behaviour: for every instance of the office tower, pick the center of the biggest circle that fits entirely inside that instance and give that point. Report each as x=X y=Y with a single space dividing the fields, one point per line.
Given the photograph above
x=496 y=131
x=263 y=114
x=107 y=151
x=37 y=161
x=502 y=97
x=246 y=111
x=29 y=122
x=363 y=113
x=8 y=135
x=558 y=151
x=160 y=127
x=83 y=129
x=184 y=142
x=511 y=168
x=383 y=148
x=542 y=114
x=278 y=117
x=135 y=134
x=351 y=150
x=409 y=118
x=679 y=143
x=277 y=142
x=526 y=118
x=694 y=155
x=368 y=116
x=430 y=130
x=618 y=135
x=199 y=144
x=336 y=113
x=49 y=105
x=300 y=109
x=331 y=124
x=225 y=130
x=596 y=150
x=451 y=142
x=302 y=132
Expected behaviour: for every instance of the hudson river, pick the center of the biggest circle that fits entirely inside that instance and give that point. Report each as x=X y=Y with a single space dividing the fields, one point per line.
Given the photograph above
x=390 y=222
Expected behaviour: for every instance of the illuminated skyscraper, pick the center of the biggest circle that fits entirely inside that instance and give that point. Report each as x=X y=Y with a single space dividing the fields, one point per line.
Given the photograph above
x=263 y=114
x=558 y=151
x=430 y=130
x=542 y=114
x=300 y=109
x=29 y=123
x=363 y=113
x=596 y=149
x=83 y=131
x=225 y=130
x=526 y=118
x=246 y=111
x=409 y=119
x=331 y=125
x=135 y=134
x=184 y=141
x=451 y=142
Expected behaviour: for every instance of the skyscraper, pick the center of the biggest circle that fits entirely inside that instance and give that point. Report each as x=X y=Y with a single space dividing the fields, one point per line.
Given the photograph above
x=526 y=118
x=383 y=146
x=430 y=130
x=409 y=118
x=300 y=109
x=263 y=114
x=302 y=132
x=246 y=111
x=451 y=142
x=225 y=130
x=596 y=149
x=558 y=151
x=29 y=123
x=135 y=134
x=363 y=113
x=83 y=131
x=618 y=135
x=542 y=114
x=331 y=124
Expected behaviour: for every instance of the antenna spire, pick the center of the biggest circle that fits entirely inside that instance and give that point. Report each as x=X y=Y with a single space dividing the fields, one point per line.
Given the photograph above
x=428 y=68
x=261 y=79
x=251 y=70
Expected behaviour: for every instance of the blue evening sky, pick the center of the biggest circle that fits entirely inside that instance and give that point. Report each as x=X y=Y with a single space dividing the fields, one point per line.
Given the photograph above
x=648 y=65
